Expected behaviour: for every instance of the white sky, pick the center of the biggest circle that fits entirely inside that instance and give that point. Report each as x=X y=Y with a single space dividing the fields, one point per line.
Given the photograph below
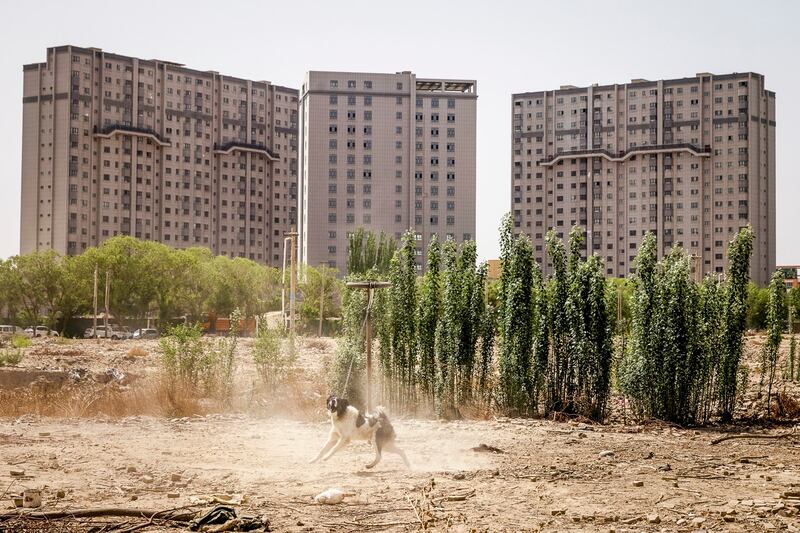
x=507 y=46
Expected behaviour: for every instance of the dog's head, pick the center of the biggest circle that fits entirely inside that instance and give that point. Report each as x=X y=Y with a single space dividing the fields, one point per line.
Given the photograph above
x=337 y=405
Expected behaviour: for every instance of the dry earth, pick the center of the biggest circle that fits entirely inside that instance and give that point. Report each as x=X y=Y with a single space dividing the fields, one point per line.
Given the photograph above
x=550 y=476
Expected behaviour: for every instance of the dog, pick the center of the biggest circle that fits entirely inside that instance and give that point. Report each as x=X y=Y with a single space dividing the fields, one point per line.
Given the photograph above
x=348 y=424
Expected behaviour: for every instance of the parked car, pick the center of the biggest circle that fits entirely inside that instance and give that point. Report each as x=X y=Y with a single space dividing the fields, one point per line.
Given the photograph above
x=40 y=331
x=10 y=331
x=113 y=331
x=145 y=333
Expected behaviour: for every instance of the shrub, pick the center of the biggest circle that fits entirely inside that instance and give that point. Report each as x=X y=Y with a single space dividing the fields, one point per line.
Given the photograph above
x=184 y=360
x=9 y=357
x=20 y=341
x=273 y=361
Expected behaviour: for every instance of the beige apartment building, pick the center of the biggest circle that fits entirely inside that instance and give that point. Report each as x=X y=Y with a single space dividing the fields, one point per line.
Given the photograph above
x=387 y=152
x=691 y=160
x=116 y=145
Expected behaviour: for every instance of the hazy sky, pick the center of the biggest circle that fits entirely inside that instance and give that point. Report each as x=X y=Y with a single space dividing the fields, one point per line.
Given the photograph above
x=507 y=46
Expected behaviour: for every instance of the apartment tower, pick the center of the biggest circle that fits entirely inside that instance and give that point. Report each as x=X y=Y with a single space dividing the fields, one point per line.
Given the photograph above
x=115 y=145
x=387 y=152
x=691 y=160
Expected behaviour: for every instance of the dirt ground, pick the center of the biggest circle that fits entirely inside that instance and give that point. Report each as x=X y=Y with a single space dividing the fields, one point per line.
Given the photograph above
x=546 y=476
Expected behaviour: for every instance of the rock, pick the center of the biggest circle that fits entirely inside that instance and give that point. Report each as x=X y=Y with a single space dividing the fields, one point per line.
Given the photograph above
x=331 y=496
x=680 y=522
x=638 y=483
x=698 y=521
x=173 y=495
x=557 y=512
x=44 y=433
x=653 y=518
x=147 y=479
x=606 y=453
x=17 y=473
x=134 y=497
x=459 y=475
x=175 y=478
x=61 y=494
x=729 y=518
x=131 y=469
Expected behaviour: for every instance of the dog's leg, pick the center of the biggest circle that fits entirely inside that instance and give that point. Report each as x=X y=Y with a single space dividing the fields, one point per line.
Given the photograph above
x=392 y=447
x=339 y=445
x=377 y=454
x=328 y=445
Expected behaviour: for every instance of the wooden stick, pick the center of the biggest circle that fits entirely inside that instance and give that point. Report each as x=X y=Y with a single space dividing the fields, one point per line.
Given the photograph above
x=751 y=436
x=109 y=511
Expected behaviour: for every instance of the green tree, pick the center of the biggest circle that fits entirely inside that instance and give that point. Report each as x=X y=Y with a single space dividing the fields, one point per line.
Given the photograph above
x=739 y=251
x=776 y=323
x=428 y=311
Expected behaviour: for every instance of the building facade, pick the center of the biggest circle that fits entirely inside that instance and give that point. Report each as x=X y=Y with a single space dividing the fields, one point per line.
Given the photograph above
x=691 y=160
x=387 y=152
x=115 y=145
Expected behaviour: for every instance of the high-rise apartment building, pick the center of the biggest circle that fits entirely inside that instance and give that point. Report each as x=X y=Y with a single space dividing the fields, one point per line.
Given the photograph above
x=387 y=152
x=691 y=160
x=115 y=145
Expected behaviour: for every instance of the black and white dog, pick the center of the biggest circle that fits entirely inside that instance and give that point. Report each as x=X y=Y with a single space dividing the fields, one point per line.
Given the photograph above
x=348 y=424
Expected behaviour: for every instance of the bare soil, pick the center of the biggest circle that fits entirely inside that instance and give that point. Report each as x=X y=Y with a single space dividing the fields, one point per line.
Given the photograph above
x=546 y=476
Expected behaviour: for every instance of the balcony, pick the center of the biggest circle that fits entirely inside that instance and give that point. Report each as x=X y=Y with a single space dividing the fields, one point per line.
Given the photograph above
x=124 y=129
x=623 y=155
x=239 y=146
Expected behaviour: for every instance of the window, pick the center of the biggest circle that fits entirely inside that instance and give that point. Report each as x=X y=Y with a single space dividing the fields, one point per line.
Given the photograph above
x=334 y=84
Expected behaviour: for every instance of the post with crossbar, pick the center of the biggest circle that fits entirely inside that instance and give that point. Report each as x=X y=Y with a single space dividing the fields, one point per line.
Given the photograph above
x=369 y=286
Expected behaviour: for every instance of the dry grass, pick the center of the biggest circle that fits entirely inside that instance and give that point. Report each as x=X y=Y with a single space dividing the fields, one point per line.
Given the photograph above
x=137 y=351
x=316 y=343
x=85 y=400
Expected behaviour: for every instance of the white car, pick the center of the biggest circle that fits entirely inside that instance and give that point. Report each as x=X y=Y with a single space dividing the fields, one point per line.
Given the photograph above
x=113 y=332
x=40 y=331
x=10 y=331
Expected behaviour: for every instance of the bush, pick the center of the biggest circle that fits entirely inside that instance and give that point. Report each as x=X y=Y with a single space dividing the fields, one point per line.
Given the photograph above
x=273 y=361
x=9 y=357
x=183 y=359
x=20 y=341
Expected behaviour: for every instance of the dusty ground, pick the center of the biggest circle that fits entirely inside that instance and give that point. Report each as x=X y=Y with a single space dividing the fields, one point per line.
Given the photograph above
x=551 y=476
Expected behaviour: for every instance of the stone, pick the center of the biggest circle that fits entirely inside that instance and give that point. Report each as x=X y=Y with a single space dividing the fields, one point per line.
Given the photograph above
x=557 y=512
x=17 y=473
x=44 y=433
x=653 y=518
x=606 y=453
x=131 y=469
x=698 y=521
x=638 y=483
x=459 y=475
x=729 y=518
x=61 y=494
x=173 y=495
x=134 y=497
x=680 y=522
x=147 y=479
x=175 y=477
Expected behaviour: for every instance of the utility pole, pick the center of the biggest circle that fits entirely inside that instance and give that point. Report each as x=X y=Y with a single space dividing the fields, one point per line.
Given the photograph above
x=105 y=315
x=321 y=298
x=94 y=298
x=369 y=286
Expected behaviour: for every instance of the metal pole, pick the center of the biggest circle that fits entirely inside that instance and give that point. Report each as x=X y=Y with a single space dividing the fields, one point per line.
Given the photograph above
x=369 y=353
x=94 y=299
x=321 y=299
x=105 y=317
x=293 y=279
